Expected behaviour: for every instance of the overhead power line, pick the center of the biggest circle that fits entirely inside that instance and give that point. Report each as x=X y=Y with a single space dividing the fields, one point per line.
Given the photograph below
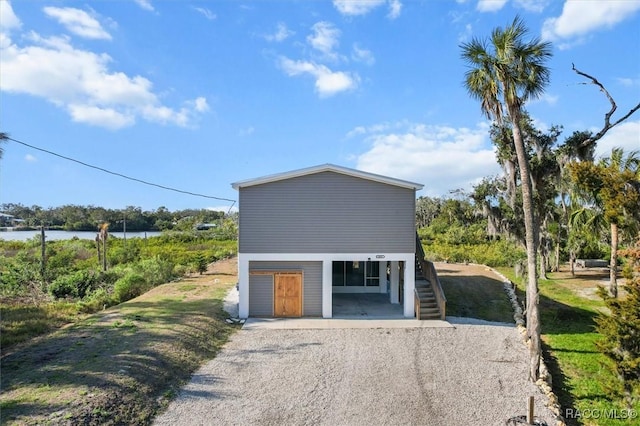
x=124 y=176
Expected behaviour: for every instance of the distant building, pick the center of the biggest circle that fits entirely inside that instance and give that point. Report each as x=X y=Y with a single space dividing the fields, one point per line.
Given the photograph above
x=10 y=220
x=205 y=226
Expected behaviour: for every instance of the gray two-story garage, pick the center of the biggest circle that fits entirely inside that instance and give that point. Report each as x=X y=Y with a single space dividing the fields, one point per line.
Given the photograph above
x=310 y=233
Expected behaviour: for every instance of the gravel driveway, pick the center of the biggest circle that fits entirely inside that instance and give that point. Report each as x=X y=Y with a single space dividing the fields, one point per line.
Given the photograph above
x=468 y=374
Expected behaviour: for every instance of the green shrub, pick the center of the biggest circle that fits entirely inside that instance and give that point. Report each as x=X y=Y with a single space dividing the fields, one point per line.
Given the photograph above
x=620 y=331
x=121 y=253
x=492 y=253
x=17 y=275
x=130 y=286
x=201 y=263
x=20 y=262
x=181 y=270
x=112 y=275
x=155 y=271
x=96 y=301
x=76 y=285
x=63 y=287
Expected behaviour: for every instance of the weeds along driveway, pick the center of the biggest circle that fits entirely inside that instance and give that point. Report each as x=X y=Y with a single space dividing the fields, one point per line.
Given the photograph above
x=463 y=375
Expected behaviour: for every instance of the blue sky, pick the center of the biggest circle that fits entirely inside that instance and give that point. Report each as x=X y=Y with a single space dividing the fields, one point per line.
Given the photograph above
x=195 y=95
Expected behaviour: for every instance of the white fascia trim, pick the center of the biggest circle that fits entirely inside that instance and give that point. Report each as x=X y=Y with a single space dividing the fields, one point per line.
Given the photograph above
x=327 y=168
x=243 y=286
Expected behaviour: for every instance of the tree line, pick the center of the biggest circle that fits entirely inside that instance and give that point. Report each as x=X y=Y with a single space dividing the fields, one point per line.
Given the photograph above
x=90 y=218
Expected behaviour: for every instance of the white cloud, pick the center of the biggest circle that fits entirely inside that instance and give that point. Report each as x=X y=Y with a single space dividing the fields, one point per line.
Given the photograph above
x=395 y=7
x=102 y=117
x=325 y=38
x=78 y=22
x=578 y=18
x=536 y=6
x=441 y=157
x=282 y=33
x=246 y=132
x=546 y=98
x=30 y=158
x=490 y=5
x=81 y=82
x=328 y=83
x=466 y=34
x=362 y=7
x=629 y=82
x=362 y=55
x=199 y=104
x=206 y=13
x=356 y=7
x=145 y=4
x=625 y=135
x=8 y=19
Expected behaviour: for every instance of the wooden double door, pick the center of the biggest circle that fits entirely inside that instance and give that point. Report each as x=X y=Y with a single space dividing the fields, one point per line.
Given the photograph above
x=287 y=298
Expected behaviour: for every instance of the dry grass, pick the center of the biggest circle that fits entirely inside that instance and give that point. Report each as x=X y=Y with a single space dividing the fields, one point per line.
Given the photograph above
x=474 y=291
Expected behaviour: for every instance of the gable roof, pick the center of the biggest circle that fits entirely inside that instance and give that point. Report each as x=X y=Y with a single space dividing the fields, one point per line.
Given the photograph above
x=327 y=168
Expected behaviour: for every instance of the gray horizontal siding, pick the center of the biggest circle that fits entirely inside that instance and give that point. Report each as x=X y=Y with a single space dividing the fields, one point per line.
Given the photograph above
x=261 y=304
x=261 y=295
x=327 y=213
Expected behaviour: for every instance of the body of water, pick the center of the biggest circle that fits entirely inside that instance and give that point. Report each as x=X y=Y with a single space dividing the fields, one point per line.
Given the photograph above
x=67 y=235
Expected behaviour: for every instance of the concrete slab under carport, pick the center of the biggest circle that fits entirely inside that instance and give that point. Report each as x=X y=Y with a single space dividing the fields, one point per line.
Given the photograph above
x=365 y=305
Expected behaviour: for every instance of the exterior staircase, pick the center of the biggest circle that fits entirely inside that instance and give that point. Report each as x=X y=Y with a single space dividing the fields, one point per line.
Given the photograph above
x=430 y=302
x=427 y=302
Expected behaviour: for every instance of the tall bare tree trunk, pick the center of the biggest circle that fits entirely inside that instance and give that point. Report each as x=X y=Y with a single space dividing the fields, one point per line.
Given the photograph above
x=543 y=266
x=98 y=246
x=613 y=266
x=531 y=239
x=102 y=238
x=572 y=263
x=104 y=254
x=43 y=257
x=543 y=246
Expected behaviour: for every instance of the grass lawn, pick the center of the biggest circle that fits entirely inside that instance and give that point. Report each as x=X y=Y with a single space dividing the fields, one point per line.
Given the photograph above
x=22 y=320
x=568 y=307
x=120 y=366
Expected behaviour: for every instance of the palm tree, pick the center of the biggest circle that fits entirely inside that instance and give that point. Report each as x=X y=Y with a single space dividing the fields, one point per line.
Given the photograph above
x=612 y=188
x=504 y=73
